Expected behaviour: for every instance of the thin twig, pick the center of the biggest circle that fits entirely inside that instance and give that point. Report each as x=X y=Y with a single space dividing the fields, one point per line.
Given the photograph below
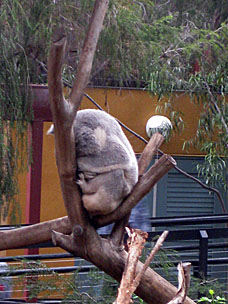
x=216 y=107
x=149 y=259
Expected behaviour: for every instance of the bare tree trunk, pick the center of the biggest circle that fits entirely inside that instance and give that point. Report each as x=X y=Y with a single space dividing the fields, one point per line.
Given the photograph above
x=84 y=240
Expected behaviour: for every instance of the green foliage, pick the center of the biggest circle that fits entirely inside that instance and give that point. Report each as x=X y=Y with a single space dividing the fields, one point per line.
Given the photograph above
x=97 y=287
x=215 y=167
x=195 y=61
x=24 y=32
x=212 y=298
x=70 y=288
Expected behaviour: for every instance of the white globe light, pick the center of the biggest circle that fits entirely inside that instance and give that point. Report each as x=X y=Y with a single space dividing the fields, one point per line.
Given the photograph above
x=158 y=124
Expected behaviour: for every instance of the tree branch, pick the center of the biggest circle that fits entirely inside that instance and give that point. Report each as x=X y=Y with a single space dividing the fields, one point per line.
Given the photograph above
x=136 y=241
x=149 y=151
x=64 y=137
x=64 y=112
x=130 y=280
x=86 y=58
x=35 y=234
x=55 y=85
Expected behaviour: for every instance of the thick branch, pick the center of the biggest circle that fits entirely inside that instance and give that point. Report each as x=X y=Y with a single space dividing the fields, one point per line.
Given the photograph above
x=152 y=288
x=25 y=236
x=59 y=106
x=55 y=87
x=86 y=58
x=149 y=151
x=64 y=137
x=144 y=185
x=64 y=112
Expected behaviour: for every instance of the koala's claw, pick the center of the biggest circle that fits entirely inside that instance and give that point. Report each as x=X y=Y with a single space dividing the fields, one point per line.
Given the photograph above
x=81 y=179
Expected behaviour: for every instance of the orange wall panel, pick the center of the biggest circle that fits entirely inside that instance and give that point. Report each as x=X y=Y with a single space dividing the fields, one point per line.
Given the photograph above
x=135 y=107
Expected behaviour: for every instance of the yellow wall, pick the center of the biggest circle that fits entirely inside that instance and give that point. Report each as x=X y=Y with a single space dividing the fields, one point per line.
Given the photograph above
x=133 y=108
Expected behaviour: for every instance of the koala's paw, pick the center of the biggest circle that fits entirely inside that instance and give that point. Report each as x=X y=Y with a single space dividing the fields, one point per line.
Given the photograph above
x=81 y=180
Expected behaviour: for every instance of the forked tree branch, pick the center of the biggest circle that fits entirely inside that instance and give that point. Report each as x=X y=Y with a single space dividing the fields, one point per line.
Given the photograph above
x=64 y=138
x=64 y=111
x=85 y=241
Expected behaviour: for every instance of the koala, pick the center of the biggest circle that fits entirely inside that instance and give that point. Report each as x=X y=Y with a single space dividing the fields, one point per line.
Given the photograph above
x=107 y=168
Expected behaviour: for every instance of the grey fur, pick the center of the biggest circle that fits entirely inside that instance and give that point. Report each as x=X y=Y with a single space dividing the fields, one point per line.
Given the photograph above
x=107 y=168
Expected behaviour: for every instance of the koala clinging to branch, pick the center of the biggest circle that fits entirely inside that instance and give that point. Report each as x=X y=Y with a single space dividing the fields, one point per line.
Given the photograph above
x=107 y=167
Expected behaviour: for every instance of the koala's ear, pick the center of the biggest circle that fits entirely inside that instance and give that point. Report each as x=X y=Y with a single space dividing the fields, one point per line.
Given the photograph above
x=50 y=130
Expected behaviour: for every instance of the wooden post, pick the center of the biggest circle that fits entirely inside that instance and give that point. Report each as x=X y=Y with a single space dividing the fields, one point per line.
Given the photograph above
x=33 y=191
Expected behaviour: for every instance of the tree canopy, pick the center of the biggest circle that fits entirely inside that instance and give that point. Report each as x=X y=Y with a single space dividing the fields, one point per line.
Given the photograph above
x=139 y=38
